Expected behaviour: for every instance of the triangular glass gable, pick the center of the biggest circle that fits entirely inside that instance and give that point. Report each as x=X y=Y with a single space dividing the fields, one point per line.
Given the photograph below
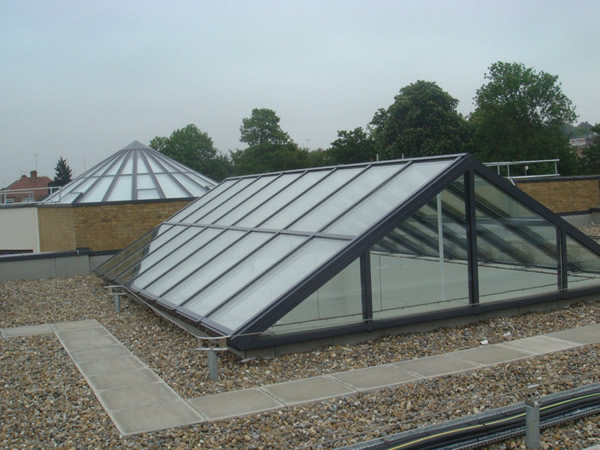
x=282 y=257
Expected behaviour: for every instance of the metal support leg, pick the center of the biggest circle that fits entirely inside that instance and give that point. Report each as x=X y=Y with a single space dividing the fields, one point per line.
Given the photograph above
x=117 y=302
x=532 y=423
x=213 y=365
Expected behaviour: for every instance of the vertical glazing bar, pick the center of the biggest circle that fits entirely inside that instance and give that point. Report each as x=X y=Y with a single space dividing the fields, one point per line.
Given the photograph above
x=471 y=237
x=563 y=278
x=441 y=247
x=367 y=293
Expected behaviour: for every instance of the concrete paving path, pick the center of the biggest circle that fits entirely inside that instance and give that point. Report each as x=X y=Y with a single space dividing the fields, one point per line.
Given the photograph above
x=137 y=400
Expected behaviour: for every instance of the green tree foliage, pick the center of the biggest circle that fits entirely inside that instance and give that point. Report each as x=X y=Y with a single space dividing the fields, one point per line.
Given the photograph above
x=422 y=121
x=63 y=174
x=518 y=116
x=269 y=147
x=352 y=147
x=195 y=149
x=590 y=158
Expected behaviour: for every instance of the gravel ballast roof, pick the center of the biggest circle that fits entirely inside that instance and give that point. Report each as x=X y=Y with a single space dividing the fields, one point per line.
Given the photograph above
x=46 y=402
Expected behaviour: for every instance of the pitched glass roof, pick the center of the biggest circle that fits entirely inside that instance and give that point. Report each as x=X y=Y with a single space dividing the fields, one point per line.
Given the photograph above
x=136 y=172
x=355 y=248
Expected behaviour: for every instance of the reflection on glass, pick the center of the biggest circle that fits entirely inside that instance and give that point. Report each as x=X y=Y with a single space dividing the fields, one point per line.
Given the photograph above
x=337 y=302
x=215 y=201
x=583 y=265
x=182 y=215
x=169 y=187
x=521 y=250
x=265 y=290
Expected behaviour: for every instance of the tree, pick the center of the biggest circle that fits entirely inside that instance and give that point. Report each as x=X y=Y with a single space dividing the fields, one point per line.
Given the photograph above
x=422 y=121
x=352 y=147
x=269 y=147
x=62 y=172
x=518 y=116
x=262 y=127
x=590 y=158
x=195 y=149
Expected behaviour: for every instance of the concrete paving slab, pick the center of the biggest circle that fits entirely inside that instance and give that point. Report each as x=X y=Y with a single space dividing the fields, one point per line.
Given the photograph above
x=373 y=377
x=98 y=354
x=29 y=330
x=306 y=390
x=123 y=379
x=582 y=335
x=74 y=325
x=436 y=366
x=113 y=365
x=71 y=335
x=155 y=417
x=89 y=343
x=490 y=354
x=541 y=344
x=135 y=396
x=234 y=403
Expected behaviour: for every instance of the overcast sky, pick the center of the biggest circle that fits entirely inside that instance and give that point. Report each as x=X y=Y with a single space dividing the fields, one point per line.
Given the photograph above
x=82 y=79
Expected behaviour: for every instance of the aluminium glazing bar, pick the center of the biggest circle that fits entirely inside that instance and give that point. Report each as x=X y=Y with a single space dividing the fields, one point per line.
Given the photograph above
x=473 y=275
x=117 y=175
x=160 y=164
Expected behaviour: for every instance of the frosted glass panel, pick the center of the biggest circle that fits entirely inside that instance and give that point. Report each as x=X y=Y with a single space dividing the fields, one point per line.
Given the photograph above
x=141 y=165
x=257 y=199
x=154 y=166
x=194 y=189
x=307 y=201
x=338 y=302
x=114 y=168
x=235 y=201
x=202 y=238
x=158 y=254
x=145 y=182
x=345 y=198
x=128 y=168
x=147 y=194
x=216 y=266
x=96 y=194
x=187 y=266
x=276 y=282
x=387 y=198
x=122 y=189
x=281 y=199
x=169 y=187
x=583 y=265
x=217 y=192
x=216 y=201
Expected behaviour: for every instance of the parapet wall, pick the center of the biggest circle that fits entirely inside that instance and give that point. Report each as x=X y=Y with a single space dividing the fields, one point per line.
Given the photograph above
x=564 y=194
x=101 y=227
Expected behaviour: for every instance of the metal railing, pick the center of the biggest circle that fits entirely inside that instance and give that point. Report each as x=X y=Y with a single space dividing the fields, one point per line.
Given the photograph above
x=18 y=196
x=509 y=164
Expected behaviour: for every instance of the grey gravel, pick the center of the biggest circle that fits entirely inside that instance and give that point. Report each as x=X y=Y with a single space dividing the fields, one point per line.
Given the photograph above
x=45 y=402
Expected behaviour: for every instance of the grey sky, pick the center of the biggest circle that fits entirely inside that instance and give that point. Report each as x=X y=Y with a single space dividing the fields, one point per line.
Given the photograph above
x=82 y=79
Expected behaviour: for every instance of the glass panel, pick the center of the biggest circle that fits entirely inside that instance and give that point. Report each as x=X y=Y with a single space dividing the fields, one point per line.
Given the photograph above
x=416 y=269
x=126 y=265
x=114 y=168
x=338 y=302
x=215 y=267
x=520 y=251
x=244 y=208
x=307 y=201
x=237 y=200
x=158 y=253
x=287 y=195
x=202 y=181
x=154 y=167
x=276 y=282
x=141 y=165
x=583 y=267
x=202 y=237
x=197 y=204
x=128 y=169
x=345 y=198
x=122 y=189
x=243 y=274
x=390 y=196
x=147 y=194
x=96 y=194
x=194 y=189
x=208 y=206
x=128 y=251
x=145 y=182
x=169 y=187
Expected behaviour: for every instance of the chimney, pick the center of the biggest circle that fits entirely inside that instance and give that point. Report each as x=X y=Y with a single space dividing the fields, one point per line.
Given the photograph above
x=33 y=175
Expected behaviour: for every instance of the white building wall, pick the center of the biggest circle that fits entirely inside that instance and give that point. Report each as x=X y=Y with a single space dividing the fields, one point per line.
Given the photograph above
x=19 y=228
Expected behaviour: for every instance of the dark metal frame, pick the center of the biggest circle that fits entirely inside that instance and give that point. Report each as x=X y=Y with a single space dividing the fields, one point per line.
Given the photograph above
x=250 y=334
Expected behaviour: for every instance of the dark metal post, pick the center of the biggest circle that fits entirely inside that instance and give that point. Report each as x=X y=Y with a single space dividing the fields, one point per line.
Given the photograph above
x=532 y=423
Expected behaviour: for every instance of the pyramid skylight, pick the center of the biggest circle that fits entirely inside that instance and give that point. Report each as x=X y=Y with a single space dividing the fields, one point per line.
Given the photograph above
x=277 y=258
x=136 y=172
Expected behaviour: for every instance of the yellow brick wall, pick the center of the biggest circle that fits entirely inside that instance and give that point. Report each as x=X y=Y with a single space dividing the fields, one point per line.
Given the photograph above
x=110 y=227
x=56 y=229
x=568 y=195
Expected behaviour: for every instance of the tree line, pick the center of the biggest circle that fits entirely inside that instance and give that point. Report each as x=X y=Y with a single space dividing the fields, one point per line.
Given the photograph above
x=520 y=114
